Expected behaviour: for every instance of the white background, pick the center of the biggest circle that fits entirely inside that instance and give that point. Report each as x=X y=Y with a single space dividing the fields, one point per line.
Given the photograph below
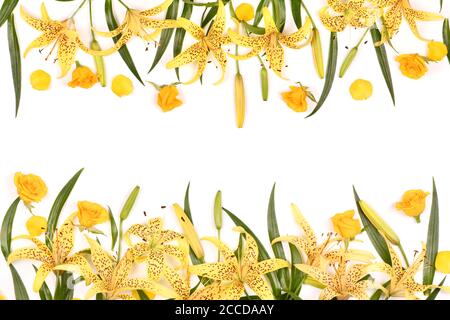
x=123 y=142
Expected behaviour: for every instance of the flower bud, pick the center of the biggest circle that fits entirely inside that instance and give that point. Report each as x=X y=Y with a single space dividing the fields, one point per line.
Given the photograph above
x=189 y=231
x=264 y=84
x=316 y=45
x=239 y=98
x=348 y=61
x=99 y=64
x=218 y=210
x=379 y=223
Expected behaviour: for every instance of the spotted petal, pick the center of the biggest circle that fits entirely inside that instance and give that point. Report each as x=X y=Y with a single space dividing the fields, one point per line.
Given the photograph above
x=41 y=275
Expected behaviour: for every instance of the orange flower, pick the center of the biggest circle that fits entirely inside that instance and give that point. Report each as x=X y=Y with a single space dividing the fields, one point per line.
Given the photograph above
x=167 y=98
x=83 y=77
x=296 y=98
x=412 y=65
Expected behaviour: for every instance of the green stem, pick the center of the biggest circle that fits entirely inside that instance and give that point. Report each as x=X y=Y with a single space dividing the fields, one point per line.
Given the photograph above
x=91 y=20
x=309 y=14
x=119 y=250
x=403 y=254
x=218 y=251
x=362 y=38
x=238 y=70
x=78 y=9
x=122 y=3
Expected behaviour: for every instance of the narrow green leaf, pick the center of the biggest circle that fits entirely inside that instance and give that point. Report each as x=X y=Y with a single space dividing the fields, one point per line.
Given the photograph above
x=212 y=12
x=330 y=73
x=6 y=10
x=14 y=54
x=166 y=34
x=180 y=34
x=263 y=254
x=6 y=230
x=187 y=210
x=375 y=237
x=272 y=228
x=5 y=243
x=436 y=291
x=258 y=12
x=432 y=239
x=124 y=53
x=382 y=60
x=129 y=204
x=19 y=288
x=297 y=276
x=44 y=292
x=58 y=205
x=446 y=36
x=114 y=230
x=142 y=295
x=377 y=294
x=296 y=9
x=279 y=13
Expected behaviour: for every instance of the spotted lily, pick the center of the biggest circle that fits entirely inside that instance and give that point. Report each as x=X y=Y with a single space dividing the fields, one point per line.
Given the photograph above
x=62 y=33
x=155 y=245
x=338 y=14
x=395 y=11
x=136 y=24
x=54 y=256
x=211 y=42
x=235 y=273
x=271 y=42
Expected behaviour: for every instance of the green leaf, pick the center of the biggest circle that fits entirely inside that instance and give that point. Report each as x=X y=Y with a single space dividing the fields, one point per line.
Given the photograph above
x=6 y=10
x=436 y=291
x=375 y=237
x=377 y=294
x=432 y=239
x=180 y=34
x=166 y=34
x=272 y=228
x=58 y=205
x=129 y=204
x=297 y=276
x=212 y=12
x=258 y=12
x=5 y=244
x=124 y=53
x=263 y=254
x=446 y=36
x=279 y=13
x=296 y=9
x=382 y=60
x=44 y=292
x=19 y=288
x=330 y=73
x=142 y=295
x=187 y=210
x=114 y=230
x=14 y=54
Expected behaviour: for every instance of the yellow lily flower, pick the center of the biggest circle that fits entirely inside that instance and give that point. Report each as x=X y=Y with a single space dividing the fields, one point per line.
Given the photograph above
x=135 y=24
x=346 y=12
x=316 y=254
x=51 y=258
x=393 y=16
x=234 y=274
x=343 y=283
x=402 y=280
x=112 y=277
x=63 y=33
x=207 y=43
x=155 y=245
x=271 y=42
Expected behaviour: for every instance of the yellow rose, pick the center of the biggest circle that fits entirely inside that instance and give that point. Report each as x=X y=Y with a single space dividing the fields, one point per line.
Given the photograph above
x=345 y=225
x=167 y=98
x=90 y=214
x=30 y=188
x=83 y=77
x=122 y=86
x=442 y=262
x=40 y=80
x=245 y=12
x=296 y=98
x=412 y=65
x=361 y=89
x=36 y=226
x=413 y=202
x=436 y=50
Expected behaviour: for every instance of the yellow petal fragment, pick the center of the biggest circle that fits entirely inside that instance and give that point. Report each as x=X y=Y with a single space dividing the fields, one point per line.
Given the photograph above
x=225 y=251
x=142 y=284
x=64 y=239
x=158 y=9
x=41 y=41
x=193 y=29
x=180 y=285
x=305 y=226
x=269 y=24
x=260 y=287
x=41 y=275
x=215 y=34
x=270 y=265
x=101 y=260
x=317 y=274
x=29 y=254
x=216 y=271
x=294 y=38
